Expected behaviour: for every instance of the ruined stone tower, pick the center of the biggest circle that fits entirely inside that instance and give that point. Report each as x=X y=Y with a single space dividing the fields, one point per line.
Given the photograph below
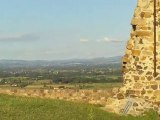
x=141 y=63
x=139 y=59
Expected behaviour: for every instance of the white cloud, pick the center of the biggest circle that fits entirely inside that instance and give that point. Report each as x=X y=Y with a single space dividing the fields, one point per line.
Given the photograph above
x=83 y=40
x=108 y=40
x=23 y=37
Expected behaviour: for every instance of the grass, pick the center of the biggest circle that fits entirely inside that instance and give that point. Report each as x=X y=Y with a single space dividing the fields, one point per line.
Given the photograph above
x=83 y=85
x=23 y=108
x=73 y=86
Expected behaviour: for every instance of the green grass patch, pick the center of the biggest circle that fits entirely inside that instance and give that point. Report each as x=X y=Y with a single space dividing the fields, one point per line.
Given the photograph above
x=23 y=108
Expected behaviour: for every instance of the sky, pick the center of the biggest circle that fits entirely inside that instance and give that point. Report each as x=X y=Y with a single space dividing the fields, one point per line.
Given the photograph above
x=64 y=29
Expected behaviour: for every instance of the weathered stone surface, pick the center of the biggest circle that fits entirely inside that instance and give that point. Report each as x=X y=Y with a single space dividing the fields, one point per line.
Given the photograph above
x=135 y=104
x=129 y=92
x=140 y=68
x=138 y=86
x=125 y=59
x=138 y=21
x=146 y=14
x=130 y=47
x=136 y=52
x=143 y=33
x=139 y=79
x=154 y=87
x=120 y=96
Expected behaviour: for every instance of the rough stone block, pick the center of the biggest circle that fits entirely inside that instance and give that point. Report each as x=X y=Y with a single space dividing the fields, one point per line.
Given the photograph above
x=138 y=21
x=120 y=96
x=143 y=33
x=146 y=14
x=136 y=52
x=154 y=87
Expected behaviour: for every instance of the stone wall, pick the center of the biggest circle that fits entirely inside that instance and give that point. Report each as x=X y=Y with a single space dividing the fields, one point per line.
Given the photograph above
x=138 y=61
x=88 y=96
x=141 y=88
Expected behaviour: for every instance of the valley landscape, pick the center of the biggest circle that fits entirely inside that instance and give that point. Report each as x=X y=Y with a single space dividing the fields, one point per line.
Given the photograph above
x=98 y=71
x=47 y=90
x=80 y=81
x=79 y=60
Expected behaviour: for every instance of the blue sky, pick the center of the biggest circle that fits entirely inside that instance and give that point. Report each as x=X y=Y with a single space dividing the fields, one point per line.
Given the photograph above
x=64 y=29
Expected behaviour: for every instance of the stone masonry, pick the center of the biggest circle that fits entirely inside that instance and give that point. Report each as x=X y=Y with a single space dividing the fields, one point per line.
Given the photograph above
x=98 y=97
x=138 y=61
x=140 y=85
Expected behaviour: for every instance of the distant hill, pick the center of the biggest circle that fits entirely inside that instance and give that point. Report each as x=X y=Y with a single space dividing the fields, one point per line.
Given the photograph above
x=71 y=62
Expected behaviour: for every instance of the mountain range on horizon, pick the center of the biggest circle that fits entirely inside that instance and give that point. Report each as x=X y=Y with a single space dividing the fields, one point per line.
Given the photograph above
x=69 y=62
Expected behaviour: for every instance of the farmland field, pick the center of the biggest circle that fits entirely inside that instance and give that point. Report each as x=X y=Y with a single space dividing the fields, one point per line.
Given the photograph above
x=73 y=86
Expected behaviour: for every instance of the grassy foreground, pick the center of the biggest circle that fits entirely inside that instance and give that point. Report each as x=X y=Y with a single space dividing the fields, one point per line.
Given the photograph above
x=23 y=108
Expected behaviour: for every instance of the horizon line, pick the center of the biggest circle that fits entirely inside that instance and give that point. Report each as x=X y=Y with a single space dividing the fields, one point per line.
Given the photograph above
x=65 y=59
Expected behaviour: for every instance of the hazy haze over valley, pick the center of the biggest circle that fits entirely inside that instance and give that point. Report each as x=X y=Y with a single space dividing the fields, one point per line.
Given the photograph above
x=64 y=29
